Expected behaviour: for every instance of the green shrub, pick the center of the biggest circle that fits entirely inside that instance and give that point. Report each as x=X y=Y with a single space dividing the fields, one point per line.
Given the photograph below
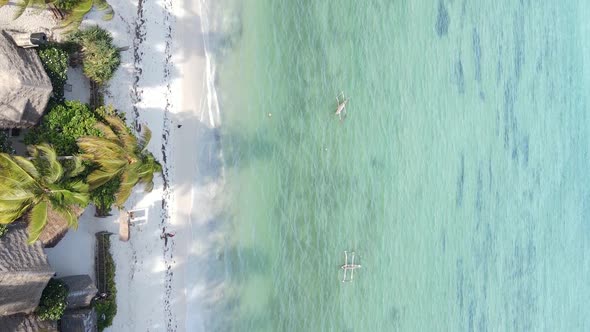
x=3 y=229
x=66 y=4
x=62 y=125
x=53 y=301
x=55 y=63
x=103 y=197
x=106 y=308
x=5 y=143
x=100 y=58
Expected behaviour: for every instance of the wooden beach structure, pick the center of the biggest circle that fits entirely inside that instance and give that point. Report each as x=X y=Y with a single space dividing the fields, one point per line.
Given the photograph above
x=124 y=226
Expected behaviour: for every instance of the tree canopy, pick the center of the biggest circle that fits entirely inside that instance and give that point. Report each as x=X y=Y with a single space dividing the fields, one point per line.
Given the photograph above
x=32 y=187
x=62 y=125
x=120 y=154
x=100 y=58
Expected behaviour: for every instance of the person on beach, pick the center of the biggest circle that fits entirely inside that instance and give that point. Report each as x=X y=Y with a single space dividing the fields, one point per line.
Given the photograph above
x=165 y=235
x=99 y=296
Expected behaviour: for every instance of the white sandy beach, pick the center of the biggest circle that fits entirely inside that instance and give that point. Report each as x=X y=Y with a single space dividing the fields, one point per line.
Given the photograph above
x=165 y=82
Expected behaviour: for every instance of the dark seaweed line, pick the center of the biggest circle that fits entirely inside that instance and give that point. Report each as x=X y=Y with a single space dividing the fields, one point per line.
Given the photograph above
x=140 y=32
x=171 y=323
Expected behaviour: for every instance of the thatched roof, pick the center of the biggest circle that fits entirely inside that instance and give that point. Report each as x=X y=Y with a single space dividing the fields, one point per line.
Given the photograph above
x=26 y=323
x=56 y=228
x=24 y=86
x=24 y=272
x=81 y=290
x=79 y=321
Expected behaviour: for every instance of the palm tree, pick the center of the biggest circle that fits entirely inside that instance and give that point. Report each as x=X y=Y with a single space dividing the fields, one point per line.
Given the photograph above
x=22 y=5
x=120 y=154
x=34 y=186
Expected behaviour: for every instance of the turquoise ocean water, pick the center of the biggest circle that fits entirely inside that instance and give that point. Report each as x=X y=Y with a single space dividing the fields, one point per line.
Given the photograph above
x=461 y=175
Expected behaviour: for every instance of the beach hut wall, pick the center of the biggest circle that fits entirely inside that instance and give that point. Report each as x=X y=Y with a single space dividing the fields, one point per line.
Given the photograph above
x=25 y=88
x=83 y=320
x=81 y=291
x=24 y=271
x=26 y=323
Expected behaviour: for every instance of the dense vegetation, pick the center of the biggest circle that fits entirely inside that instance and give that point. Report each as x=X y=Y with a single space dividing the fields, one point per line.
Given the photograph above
x=114 y=160
x=65 y=123
x=53 y=300
x=106 y=308
x=62 y=125
x=3 y=229
x=119 y=154
x=33 y=187
x=66 y=4
x=5 y=143
x=100 y=58
x=55 y=63
x=103 y=197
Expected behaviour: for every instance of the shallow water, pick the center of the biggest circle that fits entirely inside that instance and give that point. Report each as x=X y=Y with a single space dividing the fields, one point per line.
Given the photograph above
x=460 y=175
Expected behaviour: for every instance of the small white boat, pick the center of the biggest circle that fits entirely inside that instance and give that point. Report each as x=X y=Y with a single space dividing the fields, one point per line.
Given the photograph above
x=349 y=267
x=341 y=106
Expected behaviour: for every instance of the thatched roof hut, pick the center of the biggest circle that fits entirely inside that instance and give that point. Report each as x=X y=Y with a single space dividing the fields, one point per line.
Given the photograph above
x=26 y=323
x=81 y=290
x=56 y=227
x=25 y=88
x=24 y=272
x=83 y=320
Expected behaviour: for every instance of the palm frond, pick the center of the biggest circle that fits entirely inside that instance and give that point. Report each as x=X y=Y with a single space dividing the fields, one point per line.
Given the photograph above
x=78 y=186
x=128 y=141
x=99 y=146
x=111 y=164
x=76 y=15
x=27 y=166
x=15 y=196
x=106 y=130
x=77 y=167
x=146 y=136
x=149 y=183
x=14 y=190
x=147 y=176
x=128 y=181
x=11 y=185
x=9 y=213
x=99 y=177
x=64 y=198
x=37 y=219
x=54 y=170
x=70 y=217
x=7 y=164
x=21 y=6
